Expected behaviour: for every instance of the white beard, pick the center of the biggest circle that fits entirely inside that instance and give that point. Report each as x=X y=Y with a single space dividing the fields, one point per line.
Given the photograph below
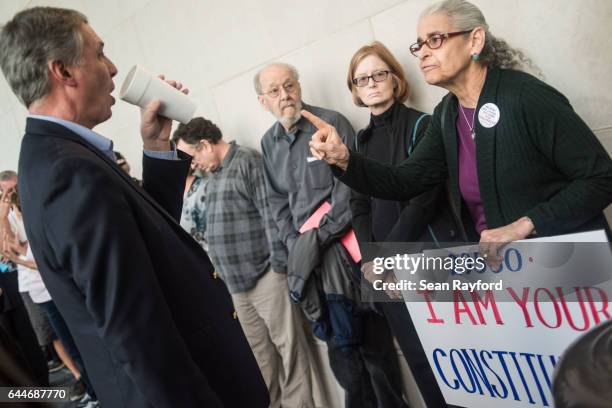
x=288 y=122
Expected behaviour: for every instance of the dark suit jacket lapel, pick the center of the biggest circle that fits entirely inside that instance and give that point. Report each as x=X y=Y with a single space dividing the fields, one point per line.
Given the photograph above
x=47 y=128
x=485 y=152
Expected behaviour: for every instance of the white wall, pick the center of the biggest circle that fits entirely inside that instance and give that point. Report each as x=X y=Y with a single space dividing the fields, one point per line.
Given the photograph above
x=216 y=46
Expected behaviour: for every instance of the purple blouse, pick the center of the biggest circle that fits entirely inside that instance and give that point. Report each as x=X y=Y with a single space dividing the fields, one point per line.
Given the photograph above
x=468 y=176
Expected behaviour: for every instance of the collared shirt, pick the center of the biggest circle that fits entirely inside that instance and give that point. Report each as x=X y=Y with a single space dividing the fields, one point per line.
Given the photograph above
x=241 y=235
x=298 y=183
x=100 y=142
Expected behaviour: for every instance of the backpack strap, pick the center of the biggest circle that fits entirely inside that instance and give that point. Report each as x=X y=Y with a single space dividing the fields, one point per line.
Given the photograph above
x=410 y=148
x=414 y=133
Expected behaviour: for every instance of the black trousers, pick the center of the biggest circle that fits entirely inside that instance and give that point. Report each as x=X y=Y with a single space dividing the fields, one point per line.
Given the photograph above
x=402 y=327
x=18 y=338
x=369 y=372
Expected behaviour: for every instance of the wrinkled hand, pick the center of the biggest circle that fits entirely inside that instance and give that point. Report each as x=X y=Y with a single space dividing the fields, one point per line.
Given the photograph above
x=386 y=277
x=8 y=251
x=10 y=247
x=155 y=129
x=6 y=257
x=3 y=257
x=493 y=241
x=326 y=144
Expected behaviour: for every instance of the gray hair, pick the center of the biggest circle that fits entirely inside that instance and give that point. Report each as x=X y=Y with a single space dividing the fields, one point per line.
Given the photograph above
x=30 y=40
x=289 y=67
x=496 y=53
x=7 y=175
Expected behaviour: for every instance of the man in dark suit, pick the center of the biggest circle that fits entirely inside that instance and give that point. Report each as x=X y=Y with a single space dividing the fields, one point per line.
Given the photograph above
x=153 y=324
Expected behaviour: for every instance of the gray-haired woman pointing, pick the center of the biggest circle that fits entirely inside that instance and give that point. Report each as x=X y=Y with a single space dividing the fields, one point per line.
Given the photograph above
x=517 y=155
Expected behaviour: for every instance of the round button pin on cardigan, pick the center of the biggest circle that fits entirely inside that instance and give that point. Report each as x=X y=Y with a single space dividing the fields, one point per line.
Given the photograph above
x=488 y=115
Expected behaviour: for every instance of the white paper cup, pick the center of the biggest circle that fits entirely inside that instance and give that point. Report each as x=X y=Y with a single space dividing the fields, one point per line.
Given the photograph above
x=141 y=87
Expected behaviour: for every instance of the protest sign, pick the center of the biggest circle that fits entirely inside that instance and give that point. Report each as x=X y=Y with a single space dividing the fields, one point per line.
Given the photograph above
x=499 y=347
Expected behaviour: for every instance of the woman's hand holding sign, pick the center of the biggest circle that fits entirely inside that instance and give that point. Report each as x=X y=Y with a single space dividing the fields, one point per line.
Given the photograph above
x=492 y=241
x=326 y=144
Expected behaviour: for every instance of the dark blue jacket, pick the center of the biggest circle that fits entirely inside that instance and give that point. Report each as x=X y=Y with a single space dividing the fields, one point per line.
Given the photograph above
x=154 y=326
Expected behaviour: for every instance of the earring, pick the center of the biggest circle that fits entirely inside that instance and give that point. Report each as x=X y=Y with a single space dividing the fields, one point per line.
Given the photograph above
x=475 y=57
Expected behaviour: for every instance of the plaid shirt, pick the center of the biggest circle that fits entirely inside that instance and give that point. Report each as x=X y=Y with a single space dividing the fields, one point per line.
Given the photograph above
x=241 y=234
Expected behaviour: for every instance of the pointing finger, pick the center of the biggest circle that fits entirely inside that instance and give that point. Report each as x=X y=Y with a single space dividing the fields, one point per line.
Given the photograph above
x=318 y=137
x=315 y=120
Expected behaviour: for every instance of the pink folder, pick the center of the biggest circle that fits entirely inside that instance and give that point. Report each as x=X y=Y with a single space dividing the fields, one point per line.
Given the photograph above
x=349 y=240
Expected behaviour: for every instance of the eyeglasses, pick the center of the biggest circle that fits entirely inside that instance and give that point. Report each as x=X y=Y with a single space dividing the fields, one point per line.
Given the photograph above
x=434 y=41
x=377 y=76
x=289 y=87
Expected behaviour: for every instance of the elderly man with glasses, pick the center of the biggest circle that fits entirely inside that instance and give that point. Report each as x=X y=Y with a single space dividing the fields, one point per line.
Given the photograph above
x=323 y=278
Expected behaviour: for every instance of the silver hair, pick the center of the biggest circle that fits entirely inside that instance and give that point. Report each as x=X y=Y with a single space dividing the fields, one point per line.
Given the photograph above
x=289 y=67
x=7 y=175
x=30 y=40
x=496 y=53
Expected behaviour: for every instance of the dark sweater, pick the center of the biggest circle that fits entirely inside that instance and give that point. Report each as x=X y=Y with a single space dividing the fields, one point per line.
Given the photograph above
x=384 y=212
x=540 y=160
x=388 y=139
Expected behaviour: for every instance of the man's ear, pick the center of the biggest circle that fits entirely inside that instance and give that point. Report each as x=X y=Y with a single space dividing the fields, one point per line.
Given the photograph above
x=61 y=73
x=206 y=145
x=262 y=102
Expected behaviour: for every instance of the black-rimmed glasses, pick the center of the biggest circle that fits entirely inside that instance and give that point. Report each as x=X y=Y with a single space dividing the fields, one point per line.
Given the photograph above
x=434 y=41
x=377 y=76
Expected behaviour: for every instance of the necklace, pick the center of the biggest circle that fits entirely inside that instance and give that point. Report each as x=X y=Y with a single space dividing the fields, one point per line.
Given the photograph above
x=472 y=130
